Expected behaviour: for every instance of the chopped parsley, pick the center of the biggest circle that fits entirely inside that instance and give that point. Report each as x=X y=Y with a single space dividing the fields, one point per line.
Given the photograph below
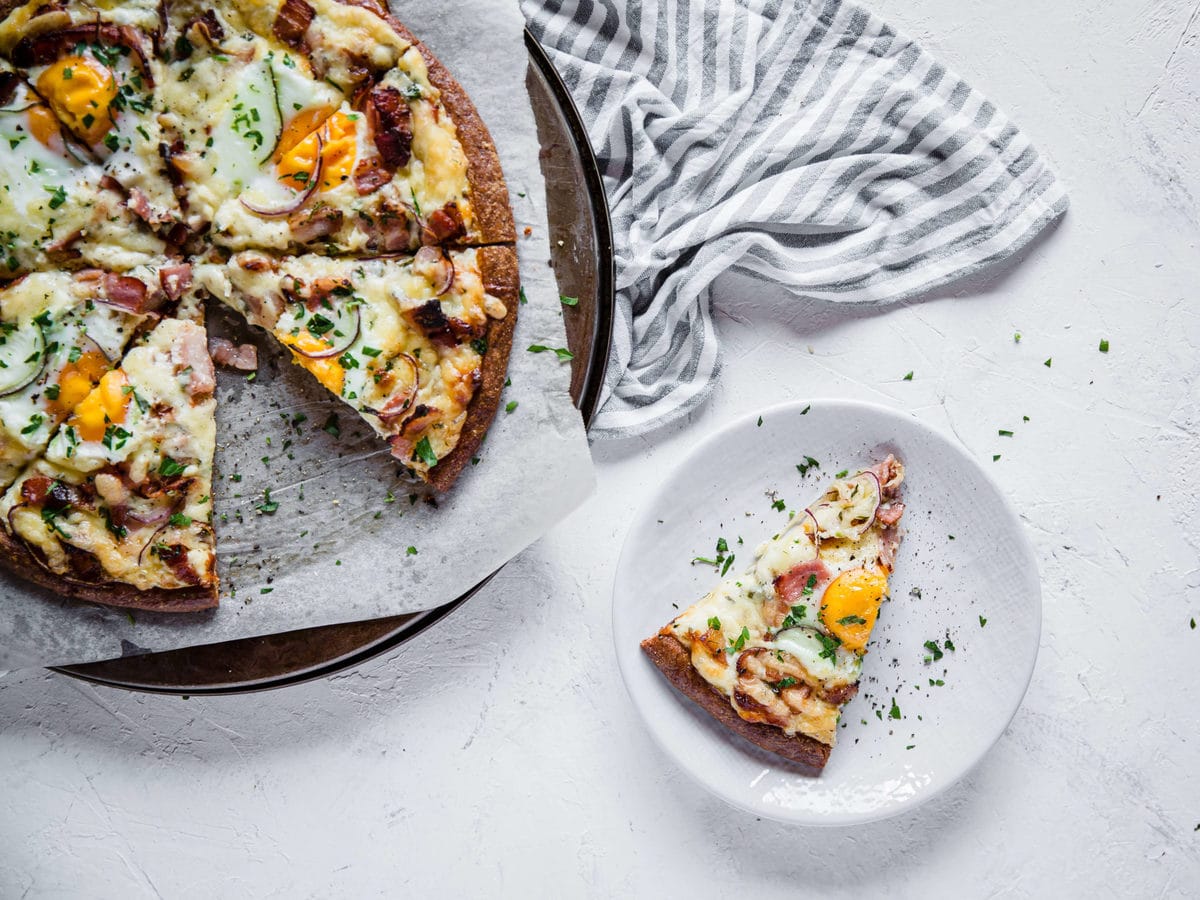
x=58 y=195
x=510 y=406
x=852 y=620
x=737 y=645
x=809 y=463
x=795 y=617
x=714 y=623
x=115 y=437
x=784 y=683
x=842 y=474
x=934 y=650
x=1104 y=345
x=983 y=622
x=179 y=520
x=895 y=711
x=1004 y=432
x=424 y=452
x=268 y=506
x=1048 y=361
x=411 y=551
x=829 y=645
x=35 y=422
x=908 y=377
x=779 y=505
x=561 y=352
x=569 y=301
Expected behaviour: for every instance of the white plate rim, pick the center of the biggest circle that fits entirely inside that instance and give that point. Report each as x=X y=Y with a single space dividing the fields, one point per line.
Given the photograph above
x=782 y=814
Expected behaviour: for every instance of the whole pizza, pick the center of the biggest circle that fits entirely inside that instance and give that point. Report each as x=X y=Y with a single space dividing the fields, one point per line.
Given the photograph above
x=308 y=163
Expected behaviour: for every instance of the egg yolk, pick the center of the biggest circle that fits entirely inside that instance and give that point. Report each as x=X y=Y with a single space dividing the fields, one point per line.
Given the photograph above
x=339 y=137
x=851 y=605
x=80 y=90
x=106 y=404
x=328 y=371
x=44 y=127
x=76 y=381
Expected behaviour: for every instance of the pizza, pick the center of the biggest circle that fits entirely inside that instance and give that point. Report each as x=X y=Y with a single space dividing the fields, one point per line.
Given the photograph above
x=775 y=652
x=308 y=163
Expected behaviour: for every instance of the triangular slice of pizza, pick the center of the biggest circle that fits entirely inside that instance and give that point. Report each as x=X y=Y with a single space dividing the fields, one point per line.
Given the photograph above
x=418 y=346
x=334 y=132
x=119 y=508
x=775 y=652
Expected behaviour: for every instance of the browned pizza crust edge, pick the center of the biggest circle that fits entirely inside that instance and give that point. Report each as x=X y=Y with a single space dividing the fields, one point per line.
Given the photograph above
x=19 y=560
x=671 y=658
x=498 y=266
x=489 y=191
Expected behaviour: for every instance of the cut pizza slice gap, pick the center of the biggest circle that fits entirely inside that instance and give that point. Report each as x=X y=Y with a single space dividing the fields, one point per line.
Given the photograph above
x=118 y=509
x=775 y=652
x=417 y=346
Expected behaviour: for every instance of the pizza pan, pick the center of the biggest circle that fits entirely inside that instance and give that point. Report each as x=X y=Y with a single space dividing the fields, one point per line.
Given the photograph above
x=581 y=250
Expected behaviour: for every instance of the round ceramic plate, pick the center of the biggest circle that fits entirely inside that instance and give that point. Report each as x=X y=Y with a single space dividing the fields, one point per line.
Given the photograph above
x=965 y=580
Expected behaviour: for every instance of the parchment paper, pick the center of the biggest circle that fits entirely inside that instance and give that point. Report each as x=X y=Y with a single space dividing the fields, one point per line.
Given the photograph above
x=336 y=550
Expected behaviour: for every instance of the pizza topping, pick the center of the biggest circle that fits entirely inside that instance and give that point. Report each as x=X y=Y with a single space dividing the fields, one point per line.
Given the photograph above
x=400 y=403
x=22 y=355
x=236 y=356
x=309 y=185
x=319 y=222
x=444 y=225
x=850 y=605
x=190 y=354
x=175 y=280
x=292 y=22
x=436 y=267
x=848 y=508
x=126 y=292
x=44 y=48
x=769 y=688
x=391 y=123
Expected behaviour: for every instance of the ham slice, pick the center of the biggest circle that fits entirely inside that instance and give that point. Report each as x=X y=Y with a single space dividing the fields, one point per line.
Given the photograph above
x=243 y=357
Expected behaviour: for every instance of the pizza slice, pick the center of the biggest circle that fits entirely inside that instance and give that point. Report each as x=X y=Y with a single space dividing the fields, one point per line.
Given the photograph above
x=95 y=71
x=776 y=652
x=119 y=508
x=59 y=334
x=418 y=345
x=56 y=208
x=334 y=132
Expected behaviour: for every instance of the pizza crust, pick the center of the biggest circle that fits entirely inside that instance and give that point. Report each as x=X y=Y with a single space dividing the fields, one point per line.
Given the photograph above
x=498 y=266
x=672 y=659
x=489 y=192
x=19 y=560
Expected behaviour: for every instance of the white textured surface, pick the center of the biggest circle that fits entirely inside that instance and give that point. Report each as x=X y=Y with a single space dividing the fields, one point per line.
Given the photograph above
x=478 y=761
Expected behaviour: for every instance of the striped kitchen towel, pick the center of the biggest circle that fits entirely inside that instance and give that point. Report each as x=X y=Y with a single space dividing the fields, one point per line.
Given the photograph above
x=805 y=141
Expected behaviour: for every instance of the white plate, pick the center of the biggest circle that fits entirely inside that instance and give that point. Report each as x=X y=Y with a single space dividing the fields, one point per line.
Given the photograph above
x=881 y=766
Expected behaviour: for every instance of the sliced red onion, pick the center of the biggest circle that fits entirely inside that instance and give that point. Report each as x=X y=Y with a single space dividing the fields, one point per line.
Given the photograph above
x=343 y=344
x=154 y=536
x=442 y=275
x=402 y=403
x=297 y=203
x=829 y=514
x=153 y=519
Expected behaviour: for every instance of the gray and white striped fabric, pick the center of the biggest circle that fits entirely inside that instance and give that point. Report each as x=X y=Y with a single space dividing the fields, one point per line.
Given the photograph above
x=802 y=140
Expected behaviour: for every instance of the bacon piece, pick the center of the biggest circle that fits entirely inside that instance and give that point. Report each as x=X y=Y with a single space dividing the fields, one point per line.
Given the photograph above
x=207 y=27
x=310 y=225
x=370 y=175
x=755 y=696
x=889 y=514
x=63 y=249
x=175 y=556
x=843 y=693
x=243 y=357
x=128 y=293
x=291 y=24
x=175 y=280
x=402 y=443
x=35 y=488
x=9 y=81
x=391 y=126
x=190 y=352
x=791 y=585
x=393 y=230
x=40 y=49
x=443 y=225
